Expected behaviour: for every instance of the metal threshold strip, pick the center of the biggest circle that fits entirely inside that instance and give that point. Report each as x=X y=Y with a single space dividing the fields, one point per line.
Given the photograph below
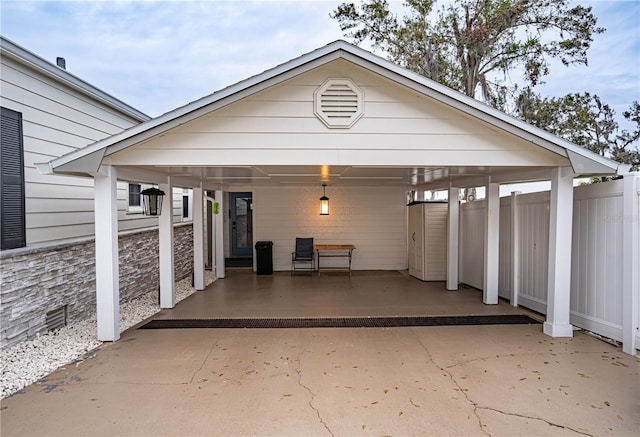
x=339 y=322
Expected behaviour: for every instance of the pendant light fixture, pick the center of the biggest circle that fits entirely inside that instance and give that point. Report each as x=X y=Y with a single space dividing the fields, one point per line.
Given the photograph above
x=324 y=201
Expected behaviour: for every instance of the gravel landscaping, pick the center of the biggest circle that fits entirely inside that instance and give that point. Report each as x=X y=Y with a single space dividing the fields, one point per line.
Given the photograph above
x=31 y=360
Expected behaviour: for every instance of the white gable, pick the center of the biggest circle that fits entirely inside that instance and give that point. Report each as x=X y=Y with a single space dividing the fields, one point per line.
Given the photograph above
x=406 y=121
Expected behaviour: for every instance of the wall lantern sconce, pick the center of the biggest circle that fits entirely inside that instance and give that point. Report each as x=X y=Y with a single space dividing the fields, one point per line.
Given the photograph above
x=152 y=201
x=324 y=201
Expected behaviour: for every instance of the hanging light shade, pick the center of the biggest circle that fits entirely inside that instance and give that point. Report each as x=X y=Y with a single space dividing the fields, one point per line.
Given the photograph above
x=152 y=201
x=324 y=201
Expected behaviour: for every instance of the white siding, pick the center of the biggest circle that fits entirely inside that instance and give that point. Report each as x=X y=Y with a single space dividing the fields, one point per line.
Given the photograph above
x=58 y=120
x=371 y=218
x=427 y=241
x=278 y=126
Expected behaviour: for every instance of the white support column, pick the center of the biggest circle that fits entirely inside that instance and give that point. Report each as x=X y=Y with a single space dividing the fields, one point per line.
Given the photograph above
x=198 y=239
x=559 y=274
x=213 y=237
x=630 y=264
x=491 y=243
x=166 y=262
x=107 y=269
x=515 y=248
x=453 y=230
x=219 y=224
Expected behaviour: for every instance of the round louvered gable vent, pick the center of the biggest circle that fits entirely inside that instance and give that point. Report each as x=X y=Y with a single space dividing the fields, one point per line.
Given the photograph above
x=339 y=103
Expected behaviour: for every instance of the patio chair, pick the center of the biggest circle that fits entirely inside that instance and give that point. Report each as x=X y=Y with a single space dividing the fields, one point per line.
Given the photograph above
x=303 y=258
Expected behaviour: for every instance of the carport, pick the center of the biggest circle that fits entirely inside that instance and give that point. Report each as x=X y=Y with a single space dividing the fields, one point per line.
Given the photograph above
x=368 y=129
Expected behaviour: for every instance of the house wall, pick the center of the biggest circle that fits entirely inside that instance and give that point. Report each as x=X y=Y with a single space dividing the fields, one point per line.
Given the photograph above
x=278 y=126
x=38 y=280
x=57 y=120
x=372 y=218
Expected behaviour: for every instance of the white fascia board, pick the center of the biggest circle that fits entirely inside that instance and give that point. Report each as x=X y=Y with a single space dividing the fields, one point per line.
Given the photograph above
x=585 y=166
x=23 y=56
x=88 y=162
x=44 y=168
x=198 y=108
x=486 y=113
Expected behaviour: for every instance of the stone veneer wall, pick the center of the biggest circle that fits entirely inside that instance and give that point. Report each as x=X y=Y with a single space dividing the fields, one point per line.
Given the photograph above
x=38 y=280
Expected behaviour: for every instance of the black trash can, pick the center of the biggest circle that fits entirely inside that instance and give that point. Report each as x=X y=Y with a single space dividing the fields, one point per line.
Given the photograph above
x=264 y=257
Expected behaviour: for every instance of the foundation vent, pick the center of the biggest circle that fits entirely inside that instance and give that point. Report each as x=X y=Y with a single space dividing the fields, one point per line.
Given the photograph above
x=57 y=318
x=339 y=103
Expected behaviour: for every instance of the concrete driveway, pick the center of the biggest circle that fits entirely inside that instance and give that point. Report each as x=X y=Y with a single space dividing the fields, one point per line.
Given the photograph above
x=446 y=380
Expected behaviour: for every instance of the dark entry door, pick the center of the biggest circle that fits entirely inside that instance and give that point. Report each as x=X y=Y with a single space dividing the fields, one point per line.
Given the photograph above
x=241 y=224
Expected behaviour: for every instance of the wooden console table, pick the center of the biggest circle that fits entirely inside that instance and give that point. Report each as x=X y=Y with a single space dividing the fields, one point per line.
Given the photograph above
x=334 y=251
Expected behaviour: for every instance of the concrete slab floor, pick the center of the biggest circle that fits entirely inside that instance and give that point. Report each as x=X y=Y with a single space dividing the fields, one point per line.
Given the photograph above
x=378 y=293
x=460 y=380
x=454 y=380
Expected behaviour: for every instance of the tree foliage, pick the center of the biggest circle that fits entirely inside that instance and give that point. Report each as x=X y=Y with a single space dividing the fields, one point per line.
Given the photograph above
x=473 y=45
x=585 y=120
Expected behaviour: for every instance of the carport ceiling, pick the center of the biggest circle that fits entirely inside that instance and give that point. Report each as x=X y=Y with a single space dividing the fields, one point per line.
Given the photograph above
x=334 y=174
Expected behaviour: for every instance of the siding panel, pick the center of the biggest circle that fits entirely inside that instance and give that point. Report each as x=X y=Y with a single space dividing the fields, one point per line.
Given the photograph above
x=371 y=218
x=57 y=120
x=32 y=85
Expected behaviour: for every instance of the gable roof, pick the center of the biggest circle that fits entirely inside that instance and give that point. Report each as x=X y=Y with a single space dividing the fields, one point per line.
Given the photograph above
x=12 y=50
x=88 y=159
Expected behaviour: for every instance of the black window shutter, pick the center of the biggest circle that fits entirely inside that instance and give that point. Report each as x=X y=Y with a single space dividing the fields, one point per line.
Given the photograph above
x=12 y=208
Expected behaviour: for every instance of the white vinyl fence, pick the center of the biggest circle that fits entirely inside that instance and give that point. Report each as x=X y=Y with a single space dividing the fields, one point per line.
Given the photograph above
x=605 y=266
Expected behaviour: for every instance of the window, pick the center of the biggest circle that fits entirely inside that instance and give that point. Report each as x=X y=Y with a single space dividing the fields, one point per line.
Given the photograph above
x=185 y=207
x=12 y=203
x=135 y=198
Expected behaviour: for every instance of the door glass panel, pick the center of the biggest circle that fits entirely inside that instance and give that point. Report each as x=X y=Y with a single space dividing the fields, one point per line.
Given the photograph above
x=242 y=221
x=241 y=224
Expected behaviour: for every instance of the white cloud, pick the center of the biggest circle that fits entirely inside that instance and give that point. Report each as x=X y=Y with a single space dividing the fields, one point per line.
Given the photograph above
x=158 y=55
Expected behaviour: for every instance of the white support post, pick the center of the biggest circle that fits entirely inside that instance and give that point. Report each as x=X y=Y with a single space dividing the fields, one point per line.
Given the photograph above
x=166 y=262
x=219 y=224
x=515 y=248
x=213 y=237
x=453 y=230
x=559 y=274
x=630 y=263
x=491 y=243
x=198 y=239
x=106 y=246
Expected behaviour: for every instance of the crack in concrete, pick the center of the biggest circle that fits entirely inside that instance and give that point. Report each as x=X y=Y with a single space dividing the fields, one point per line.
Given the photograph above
x=498 y=356
x=313 y=396
x=524 y=354
x=506 y=413
x=453 y=379
x=213 y=345
x=477 y=407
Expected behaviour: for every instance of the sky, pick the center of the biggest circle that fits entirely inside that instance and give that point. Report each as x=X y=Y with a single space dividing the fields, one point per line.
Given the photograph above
x=160 y=55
